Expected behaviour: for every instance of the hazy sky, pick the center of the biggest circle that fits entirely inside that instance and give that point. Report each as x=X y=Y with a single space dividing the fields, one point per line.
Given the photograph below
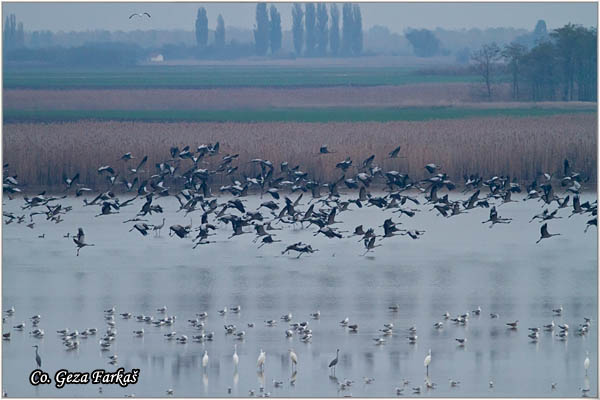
x=396 y=16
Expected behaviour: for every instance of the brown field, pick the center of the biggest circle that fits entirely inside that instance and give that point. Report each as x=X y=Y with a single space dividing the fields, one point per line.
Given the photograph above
x=426 y=94
x=519 y=147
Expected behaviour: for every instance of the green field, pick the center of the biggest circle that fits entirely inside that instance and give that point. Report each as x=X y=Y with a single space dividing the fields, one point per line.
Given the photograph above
x=331 y=114
x=190 y=77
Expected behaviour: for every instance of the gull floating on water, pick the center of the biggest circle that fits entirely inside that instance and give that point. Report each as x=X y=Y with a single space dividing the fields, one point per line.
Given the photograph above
x=558 y=310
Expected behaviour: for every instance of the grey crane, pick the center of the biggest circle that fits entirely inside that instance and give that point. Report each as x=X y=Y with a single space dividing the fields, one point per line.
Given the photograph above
x=544 y=233
x=334 y=362
x=79 y=240
x=38 y=359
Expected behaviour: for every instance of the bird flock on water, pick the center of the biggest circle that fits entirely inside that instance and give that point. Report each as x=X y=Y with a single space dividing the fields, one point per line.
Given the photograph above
x=189 y=175
x=197 y=330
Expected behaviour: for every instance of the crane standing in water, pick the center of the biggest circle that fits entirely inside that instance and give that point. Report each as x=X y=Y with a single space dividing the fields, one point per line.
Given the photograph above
x=38 y=359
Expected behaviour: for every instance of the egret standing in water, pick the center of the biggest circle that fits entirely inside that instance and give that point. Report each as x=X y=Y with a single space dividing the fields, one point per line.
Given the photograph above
x=236 y=358
x=38 y=359
x=205 y=359
x=586 y=363
x=427 y=361
x=294 y=358
x=261 y=360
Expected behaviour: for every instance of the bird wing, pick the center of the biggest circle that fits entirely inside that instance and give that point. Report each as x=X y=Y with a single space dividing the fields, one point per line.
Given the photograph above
x=544 y=230
x=142 y=162
x=395 y=152
x=133 y=15
x=147 y=15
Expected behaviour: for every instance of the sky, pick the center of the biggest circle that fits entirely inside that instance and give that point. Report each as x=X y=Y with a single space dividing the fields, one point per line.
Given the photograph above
x=396 y=16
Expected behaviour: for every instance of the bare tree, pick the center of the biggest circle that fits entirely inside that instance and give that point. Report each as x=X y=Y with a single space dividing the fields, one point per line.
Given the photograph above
x=485 y=60
x=513 y=54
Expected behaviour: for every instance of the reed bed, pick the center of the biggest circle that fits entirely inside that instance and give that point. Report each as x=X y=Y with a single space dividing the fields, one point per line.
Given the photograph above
x=519 y=147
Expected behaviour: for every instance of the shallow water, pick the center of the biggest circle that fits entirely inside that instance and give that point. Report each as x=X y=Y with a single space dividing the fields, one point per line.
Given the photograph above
x=457 y=265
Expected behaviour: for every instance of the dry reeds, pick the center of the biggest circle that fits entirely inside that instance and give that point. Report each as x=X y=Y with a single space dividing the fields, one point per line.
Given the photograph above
x=519 y=147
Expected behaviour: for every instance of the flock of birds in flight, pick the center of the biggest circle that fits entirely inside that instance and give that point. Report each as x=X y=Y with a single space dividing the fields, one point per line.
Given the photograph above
x=185 y=167
x=188 y=170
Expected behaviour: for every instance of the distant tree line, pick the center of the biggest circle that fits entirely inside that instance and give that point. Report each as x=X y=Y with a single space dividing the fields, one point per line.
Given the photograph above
x=90 y=55
x=562 y=66
x=13 y=35
x=315 y=31
x=218 y=47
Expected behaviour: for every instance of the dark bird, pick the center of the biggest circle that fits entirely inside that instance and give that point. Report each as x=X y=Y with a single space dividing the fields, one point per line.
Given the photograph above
x=127 y=156
x=325 y=150
x=334 y=362
x=106 y=168
x=268 y=240
x=344 y=165
x=38 y=359
x=141 y=228
x=394 y=153
x=591 y=222
x=431 y=168
x=370 y=244
x=495 y=219
x=359 y=230
x=79 y=240
x=544 y=233
x=107 y=207
x=300 y=247
x=139 y=166
x=70 y=181
x=178 y=230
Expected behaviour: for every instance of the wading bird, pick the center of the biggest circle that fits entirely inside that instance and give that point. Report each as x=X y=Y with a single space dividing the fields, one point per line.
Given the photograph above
x=427 y=362
x=38 y=359
x=334 y=362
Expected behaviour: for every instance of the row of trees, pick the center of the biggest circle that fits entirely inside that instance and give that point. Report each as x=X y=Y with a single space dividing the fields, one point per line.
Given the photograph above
x=314 y=33
x=13 y=35
x=202 y=30
x=562 y=67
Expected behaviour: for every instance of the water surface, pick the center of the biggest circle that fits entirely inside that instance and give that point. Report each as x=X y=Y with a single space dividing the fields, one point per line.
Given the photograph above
x=457 y=265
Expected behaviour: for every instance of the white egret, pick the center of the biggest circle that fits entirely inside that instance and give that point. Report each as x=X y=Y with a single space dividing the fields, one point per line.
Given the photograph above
x=427 y=361
x=205 y=359
x=261 y=360
x=294 y=358
x=586 y=363
x=236 y=358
